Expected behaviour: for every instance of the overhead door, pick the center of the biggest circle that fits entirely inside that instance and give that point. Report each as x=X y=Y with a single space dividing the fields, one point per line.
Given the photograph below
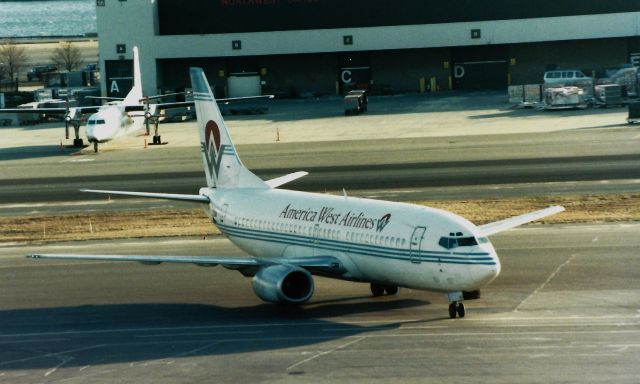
x=119 y=77
x=474 y=75
x=244 y=85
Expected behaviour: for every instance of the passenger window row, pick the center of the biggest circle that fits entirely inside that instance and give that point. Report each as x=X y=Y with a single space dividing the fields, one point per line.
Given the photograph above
x=326 y=233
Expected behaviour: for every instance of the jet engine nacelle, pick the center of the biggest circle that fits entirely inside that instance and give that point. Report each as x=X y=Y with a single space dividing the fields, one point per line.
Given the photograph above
x=283 y=284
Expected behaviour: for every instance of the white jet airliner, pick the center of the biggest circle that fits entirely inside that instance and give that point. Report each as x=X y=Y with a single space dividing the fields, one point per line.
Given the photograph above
x=293 y=235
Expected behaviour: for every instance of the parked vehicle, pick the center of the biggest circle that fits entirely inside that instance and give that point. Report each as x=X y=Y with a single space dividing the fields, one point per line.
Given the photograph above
x=355 y=102
x=569 y=78
x=37 y=72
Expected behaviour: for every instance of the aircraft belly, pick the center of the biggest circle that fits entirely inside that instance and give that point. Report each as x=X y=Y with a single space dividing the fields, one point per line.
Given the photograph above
x=259 y=248
x=425 y=275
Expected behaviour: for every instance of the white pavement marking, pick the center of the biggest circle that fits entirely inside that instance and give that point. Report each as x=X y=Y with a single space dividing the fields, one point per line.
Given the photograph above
x=202 y=334
x=64 y=360
x=326 y=352
x=52 y=354
x=553 y=274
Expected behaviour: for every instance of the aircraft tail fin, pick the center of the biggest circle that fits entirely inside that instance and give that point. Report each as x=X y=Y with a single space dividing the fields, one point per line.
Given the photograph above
x=135 y=94
x=221 y=161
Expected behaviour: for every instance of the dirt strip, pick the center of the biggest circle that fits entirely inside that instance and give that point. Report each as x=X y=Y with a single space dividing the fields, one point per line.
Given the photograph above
x=193 y=222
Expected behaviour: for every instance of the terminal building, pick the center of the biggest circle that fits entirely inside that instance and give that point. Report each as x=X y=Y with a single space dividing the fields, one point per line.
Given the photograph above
x=302 y=47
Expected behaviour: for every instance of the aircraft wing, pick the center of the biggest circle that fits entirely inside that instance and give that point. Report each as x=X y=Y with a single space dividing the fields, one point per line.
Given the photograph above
x=52 y=110
x=318 y=263
x=278 y=181
x=503 y=225
x=182 y=104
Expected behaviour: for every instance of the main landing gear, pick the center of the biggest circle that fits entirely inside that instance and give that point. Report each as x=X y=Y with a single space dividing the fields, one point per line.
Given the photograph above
x=77 y=141
x=149 y=117
x=379 y=289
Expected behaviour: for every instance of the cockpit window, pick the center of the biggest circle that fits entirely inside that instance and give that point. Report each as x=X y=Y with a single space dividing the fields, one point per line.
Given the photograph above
x=454 y=242
x=99 y=122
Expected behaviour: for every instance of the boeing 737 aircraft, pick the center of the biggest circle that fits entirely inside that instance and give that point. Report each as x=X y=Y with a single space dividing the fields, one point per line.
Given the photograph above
x=293 y=235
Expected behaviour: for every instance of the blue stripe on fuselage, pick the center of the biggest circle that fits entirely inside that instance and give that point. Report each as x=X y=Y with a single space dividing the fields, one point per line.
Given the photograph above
x=480 y=258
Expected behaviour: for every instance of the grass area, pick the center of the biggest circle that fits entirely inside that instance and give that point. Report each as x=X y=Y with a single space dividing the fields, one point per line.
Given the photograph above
x=193 y=222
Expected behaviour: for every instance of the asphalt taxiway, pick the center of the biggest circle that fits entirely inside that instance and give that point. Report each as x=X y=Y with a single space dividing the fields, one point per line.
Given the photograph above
x=566 y=308
x=492 y=166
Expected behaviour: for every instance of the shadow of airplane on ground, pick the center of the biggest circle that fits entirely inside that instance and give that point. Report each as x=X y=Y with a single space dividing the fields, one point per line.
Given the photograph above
x=36 y=152
x=111 y=334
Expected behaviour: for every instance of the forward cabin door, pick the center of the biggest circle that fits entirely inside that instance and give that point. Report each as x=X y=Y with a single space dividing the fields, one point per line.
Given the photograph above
x=416 y=244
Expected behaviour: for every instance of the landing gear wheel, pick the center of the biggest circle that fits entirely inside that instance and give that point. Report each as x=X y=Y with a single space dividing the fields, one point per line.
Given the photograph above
x=453 y=310
x=391 y=289
x=95 y=146
x=460 y=310
x=157 y=140
x=377 y=289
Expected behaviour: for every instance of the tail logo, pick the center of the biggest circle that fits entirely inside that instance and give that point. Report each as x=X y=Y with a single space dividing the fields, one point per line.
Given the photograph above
x=212 y=129
x=213 y=150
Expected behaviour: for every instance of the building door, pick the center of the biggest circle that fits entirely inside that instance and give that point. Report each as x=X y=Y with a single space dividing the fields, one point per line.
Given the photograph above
x=243 y=85
x=478 y=75
x=119 y=75
x=480 y=67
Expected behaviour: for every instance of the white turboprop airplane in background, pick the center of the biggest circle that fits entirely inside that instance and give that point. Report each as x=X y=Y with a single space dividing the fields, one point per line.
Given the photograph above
x=118 y=117
x=293 y=235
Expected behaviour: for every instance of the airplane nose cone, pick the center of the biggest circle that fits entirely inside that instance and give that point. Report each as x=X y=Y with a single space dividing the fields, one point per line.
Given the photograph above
x=483 y=274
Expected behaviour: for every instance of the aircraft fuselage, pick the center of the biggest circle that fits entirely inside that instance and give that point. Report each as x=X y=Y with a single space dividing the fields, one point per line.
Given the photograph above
x=110 y=122
x=376 y=241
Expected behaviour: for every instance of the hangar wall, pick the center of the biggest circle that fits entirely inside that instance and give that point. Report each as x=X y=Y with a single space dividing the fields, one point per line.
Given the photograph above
x=592 y=36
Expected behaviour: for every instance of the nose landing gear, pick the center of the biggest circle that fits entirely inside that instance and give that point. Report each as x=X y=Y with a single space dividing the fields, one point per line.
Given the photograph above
x=456 y=308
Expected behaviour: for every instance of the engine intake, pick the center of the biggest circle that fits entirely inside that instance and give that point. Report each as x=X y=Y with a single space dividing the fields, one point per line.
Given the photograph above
x=283 y=284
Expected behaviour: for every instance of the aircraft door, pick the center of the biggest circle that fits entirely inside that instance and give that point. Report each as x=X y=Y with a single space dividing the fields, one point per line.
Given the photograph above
x=416 y=244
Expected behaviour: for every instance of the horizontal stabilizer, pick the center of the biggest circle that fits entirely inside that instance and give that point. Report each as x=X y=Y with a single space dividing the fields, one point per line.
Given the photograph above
x=503 y=225
x=167 y=196
x=278 y=181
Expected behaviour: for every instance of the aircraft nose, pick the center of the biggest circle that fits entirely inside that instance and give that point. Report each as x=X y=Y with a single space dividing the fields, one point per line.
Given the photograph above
x=484 y=273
